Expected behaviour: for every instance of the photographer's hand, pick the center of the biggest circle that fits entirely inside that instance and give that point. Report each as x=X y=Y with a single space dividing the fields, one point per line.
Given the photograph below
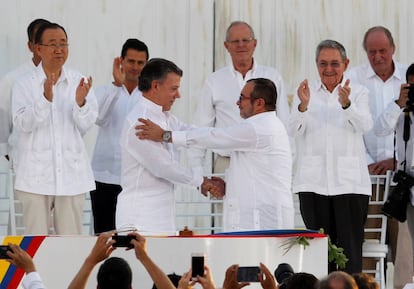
x=266 y=278
x=403 y=97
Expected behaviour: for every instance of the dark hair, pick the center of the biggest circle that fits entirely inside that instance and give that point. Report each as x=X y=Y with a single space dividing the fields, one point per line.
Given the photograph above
x=115 y=272
x=365 y=281
x=133 y=43
x=376 y=29
x=43 y=28
x=266 y=89
x=410 y=71
x=328 y=43
x=156 y=69
x=302 y=281
x=34 y=26
x=174 y=278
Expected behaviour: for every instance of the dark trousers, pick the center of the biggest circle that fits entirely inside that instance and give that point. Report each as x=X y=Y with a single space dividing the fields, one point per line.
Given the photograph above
x=103 y=201
x=342 y=218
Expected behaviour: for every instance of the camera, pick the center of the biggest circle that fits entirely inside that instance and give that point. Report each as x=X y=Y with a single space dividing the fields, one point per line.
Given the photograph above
x=396 y=204
x=282 y=273
x=123 y=241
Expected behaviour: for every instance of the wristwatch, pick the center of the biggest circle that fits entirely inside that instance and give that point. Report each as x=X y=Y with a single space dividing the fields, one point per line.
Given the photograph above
x=166 y=136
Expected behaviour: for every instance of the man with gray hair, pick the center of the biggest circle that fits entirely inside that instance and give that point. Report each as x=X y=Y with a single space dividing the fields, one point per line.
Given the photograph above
x=385 y=79
x=331 y=173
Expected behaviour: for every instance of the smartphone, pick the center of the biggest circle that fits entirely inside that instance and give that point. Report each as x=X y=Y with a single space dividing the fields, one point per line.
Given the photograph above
x=197 y=265
x=3 y=252
x=123 y=241
x=248 y=274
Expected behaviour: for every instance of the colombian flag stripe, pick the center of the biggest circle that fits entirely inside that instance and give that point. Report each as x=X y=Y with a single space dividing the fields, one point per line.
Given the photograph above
x=9 y=274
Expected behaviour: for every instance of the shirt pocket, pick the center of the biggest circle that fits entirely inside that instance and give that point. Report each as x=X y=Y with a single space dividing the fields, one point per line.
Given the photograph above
x=311 y=170
x=40 y=168
x=348 y=170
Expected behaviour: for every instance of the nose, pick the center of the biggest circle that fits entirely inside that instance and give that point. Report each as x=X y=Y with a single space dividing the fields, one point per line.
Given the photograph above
x=178 y=94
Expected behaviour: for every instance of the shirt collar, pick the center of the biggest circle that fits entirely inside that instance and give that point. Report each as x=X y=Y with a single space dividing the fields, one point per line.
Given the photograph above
x=371 y=73
x=321 y=86
x=42 y=75
x=235 y=72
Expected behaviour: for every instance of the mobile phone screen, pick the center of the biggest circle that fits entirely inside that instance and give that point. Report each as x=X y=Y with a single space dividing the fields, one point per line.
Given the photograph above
x=197 y=265
x=248 y=274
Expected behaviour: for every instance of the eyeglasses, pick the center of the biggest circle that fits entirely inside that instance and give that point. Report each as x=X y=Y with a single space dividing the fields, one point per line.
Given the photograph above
x=55 y=46
x=241 y=97
x=242 y=41
x=333 y=64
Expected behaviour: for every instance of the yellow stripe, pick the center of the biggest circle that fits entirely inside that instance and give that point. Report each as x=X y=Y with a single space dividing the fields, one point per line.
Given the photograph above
x=4 y=265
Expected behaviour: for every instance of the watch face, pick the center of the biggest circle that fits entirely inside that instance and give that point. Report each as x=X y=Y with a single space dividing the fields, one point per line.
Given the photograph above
x=166 y=136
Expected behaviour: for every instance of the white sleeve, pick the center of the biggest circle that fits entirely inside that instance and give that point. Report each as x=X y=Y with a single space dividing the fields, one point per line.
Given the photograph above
x=32 y=280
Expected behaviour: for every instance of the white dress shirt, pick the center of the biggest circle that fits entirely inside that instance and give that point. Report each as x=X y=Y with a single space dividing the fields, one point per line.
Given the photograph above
x=6 y=123
x=330 y=152
x=114 y=105
x=258 y=189
x=149 y=172
x=51 y=157
x=217 y=103
x=381 y=93
x=392 y=119
x=32 y=280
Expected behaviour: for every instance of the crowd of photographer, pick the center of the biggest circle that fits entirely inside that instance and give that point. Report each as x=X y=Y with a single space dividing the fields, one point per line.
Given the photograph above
x=115 y=272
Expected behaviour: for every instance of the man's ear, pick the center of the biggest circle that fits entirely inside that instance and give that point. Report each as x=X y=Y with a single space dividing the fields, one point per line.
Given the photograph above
x=154 y=84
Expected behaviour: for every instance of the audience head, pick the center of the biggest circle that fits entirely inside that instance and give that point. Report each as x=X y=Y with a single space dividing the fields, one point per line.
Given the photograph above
x=365 y=281
x=379 y=45
x=114 y=273
x=338 y=280
x=282 y=273
x=302 y=281
x=332 y=62
x=409 y=75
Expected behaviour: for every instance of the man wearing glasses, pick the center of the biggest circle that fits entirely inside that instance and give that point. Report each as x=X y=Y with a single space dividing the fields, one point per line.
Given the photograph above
x=52 y=107
x=216 y=102
x=258 y=184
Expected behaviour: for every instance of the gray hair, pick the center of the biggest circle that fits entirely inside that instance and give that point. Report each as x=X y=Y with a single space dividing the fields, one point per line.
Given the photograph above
x=328 y=43
x=235 y=23
x=378 y=29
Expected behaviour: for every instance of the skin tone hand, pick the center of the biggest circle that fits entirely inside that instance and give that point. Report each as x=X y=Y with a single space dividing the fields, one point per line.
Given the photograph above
x=118 y=72
x=185 y=281
x=149 y=130
x=230 y=280
x=48 y=86
x=102 y=249
x=20 y=258
x=381 y=167
x=266 y=278
x=304 y=95
x=140 y=245
x=82 y=91
x=403 y=97
x=207 y=281
x=215 y=185
x=343 y=94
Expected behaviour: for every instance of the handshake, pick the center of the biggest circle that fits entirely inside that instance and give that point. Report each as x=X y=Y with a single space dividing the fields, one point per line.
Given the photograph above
x=215 y=185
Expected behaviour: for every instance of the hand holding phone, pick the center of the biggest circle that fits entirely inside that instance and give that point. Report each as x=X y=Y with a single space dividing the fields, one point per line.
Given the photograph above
x=197 y=265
